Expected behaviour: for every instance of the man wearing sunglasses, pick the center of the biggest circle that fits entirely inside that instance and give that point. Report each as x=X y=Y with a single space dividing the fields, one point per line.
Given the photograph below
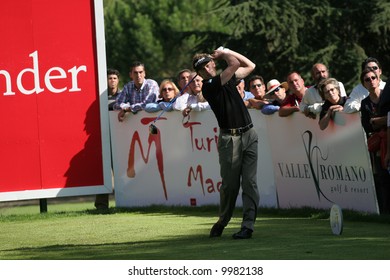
x=276 y=94
x=257 y=88
x=359 y=92
x=374 y=110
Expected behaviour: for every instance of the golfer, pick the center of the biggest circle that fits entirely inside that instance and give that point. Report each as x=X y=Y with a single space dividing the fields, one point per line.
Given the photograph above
x=237 y=142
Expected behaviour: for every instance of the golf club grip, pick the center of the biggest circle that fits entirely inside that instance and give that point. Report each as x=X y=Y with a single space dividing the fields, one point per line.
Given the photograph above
x=174 y=99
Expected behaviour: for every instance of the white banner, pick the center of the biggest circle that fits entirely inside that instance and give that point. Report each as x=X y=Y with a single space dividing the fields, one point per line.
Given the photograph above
x=320 y=168
x=299 y=165
x=179 y=165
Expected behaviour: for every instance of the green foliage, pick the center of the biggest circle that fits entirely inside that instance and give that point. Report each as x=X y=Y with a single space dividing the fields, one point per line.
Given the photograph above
x=278 y=35
x=281 y=36
x=161 y=34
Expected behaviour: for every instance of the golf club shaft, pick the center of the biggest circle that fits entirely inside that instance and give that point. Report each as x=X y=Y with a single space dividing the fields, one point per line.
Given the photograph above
x=174 y=99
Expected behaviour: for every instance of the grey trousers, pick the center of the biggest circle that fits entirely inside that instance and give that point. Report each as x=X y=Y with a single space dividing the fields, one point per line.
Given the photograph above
x=238 y=167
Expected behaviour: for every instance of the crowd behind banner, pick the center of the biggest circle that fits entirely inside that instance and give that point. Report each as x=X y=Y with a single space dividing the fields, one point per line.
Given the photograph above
x=319 y=100
x=300 y=167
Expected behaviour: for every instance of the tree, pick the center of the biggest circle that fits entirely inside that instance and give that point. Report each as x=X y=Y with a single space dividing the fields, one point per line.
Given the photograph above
x=278 y=35
x=281 y=36
x=162 y=34
x=129 y=36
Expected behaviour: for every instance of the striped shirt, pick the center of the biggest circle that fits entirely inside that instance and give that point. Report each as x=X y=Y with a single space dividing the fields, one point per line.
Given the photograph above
x=137 y=98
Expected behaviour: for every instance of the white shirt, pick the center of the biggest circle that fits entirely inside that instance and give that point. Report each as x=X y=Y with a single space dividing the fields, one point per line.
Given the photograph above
x=187 y=99
x=357 y=95
x=313 y=101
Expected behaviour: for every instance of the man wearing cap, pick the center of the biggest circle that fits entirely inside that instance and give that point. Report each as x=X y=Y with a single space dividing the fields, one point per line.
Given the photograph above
x=237 y=142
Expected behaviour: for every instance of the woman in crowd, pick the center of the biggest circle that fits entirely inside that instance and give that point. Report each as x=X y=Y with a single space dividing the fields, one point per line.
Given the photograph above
x=329 y=90
x=168 y=91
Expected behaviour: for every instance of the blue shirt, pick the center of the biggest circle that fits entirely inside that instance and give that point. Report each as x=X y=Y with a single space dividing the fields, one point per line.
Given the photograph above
x=247 y=95
x=158 y=106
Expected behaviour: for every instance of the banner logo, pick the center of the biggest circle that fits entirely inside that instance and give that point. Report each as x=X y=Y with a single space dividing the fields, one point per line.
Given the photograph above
x=51 y=75
x=314 y=153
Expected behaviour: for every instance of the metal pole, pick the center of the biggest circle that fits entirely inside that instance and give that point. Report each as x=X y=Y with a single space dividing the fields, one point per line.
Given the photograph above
x=43 y=205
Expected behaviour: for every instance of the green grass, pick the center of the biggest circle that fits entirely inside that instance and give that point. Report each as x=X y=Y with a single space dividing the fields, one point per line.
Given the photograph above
x=75 y=231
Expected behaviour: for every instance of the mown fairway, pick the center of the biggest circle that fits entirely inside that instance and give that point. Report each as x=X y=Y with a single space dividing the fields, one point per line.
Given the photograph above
x=72 y=231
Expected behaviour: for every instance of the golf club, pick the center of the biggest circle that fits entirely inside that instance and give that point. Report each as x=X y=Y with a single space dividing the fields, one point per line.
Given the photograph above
x=152 y=128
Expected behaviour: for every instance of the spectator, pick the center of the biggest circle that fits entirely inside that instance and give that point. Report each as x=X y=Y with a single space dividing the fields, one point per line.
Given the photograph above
x=277 y=93
x=311 y=102
x=168 y=92
x=183 y=77
x=297 y=89
x=257 y=88
x=112 y=87
x=137 y=93
x=194 y=99
x=371 y=119
x=245 y=95
x=329 y=90
x=374 y=122
x=359 y=92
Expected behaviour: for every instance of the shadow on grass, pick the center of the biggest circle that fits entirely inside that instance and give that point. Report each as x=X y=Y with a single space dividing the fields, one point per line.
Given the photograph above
x=275 y=238
x=280 y=234
x=212 y=210
x=195 y=247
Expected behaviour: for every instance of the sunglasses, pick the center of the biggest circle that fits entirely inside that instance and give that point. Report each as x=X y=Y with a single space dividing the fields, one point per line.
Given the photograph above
x=373 y=68
x=368 y=79
x=275 y=90
x=256 y=85
x=167 y=89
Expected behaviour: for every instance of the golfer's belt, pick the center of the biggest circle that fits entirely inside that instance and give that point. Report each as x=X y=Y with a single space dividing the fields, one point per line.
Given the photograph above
x=236 y=131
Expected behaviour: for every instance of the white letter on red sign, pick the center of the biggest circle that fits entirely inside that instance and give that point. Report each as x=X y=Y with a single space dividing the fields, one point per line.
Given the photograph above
x=7 y=83
x=48 y=77
x=74 y=71
x=35 y=72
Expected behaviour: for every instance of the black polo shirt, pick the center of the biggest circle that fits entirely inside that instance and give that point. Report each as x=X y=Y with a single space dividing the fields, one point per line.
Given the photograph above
x=226 y=103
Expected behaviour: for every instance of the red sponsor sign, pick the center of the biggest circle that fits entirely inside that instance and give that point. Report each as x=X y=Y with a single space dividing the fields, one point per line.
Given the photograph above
x=50 y=97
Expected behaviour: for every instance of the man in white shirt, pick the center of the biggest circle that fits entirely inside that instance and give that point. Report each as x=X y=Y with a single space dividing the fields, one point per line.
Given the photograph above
x=192 y=100
x=359 y=92
x=312 y=101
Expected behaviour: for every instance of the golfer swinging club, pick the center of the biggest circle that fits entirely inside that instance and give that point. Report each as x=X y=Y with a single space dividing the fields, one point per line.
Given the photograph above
x=237 y=141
